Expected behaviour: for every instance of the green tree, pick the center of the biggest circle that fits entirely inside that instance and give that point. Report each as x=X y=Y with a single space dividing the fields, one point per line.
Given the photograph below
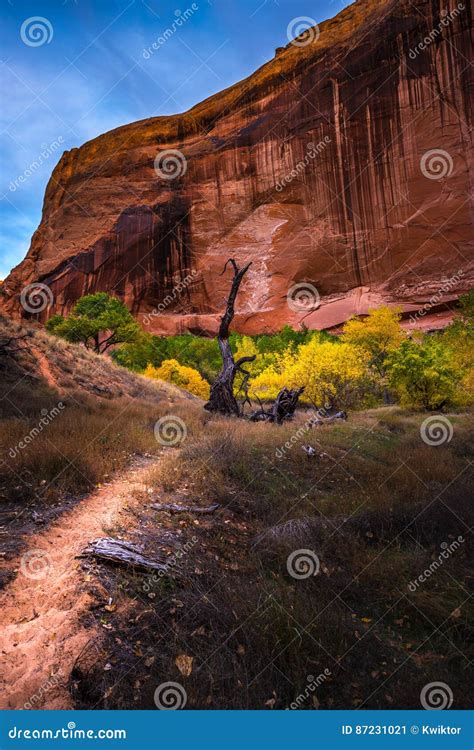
x=423 y=374
x=459 y=341
x=377 y=335
x=145 y=349
x=98 y=321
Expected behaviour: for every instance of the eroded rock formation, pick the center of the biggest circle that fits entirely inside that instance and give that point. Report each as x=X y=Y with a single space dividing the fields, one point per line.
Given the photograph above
x=318 y=169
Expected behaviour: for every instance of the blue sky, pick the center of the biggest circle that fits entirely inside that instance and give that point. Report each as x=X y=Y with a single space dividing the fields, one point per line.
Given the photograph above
x=90 y=75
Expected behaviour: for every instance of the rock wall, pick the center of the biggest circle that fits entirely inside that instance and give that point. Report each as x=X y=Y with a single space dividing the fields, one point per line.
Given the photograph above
x=345 y=163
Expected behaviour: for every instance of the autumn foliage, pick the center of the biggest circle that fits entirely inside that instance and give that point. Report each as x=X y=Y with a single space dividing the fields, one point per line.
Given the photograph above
x=374 y=361
x=185 y=377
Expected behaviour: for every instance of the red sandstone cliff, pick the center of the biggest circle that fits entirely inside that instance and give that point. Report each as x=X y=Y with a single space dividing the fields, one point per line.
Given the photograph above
x=369 y=214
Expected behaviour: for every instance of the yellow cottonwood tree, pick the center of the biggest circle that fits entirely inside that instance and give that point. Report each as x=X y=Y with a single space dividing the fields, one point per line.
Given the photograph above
x=268 y=384
x=332 y=373
x=377 y=335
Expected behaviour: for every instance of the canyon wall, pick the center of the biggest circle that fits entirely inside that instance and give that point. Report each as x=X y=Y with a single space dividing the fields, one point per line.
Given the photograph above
x=345 y=164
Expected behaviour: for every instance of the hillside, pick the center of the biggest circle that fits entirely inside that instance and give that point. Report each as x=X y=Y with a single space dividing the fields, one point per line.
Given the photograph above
x=68 y=420
x=345 y=163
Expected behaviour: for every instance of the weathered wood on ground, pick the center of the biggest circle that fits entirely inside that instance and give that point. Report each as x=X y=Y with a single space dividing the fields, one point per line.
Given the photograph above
x=121 y=553
x=175 y=508
x=320 y=420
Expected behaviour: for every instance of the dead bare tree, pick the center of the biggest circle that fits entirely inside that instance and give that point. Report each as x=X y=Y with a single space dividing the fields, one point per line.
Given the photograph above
x=283 y=408
x=222 y=397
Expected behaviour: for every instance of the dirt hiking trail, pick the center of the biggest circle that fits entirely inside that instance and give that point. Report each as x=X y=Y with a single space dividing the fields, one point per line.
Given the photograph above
x=40 y=610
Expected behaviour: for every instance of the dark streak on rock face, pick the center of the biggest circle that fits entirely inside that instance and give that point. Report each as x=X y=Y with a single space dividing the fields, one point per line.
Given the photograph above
x=361 y=222
x=140 y=260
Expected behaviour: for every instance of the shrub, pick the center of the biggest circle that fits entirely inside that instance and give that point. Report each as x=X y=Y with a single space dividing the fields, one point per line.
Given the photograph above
x=268 y=383
x=184 y=377
x=194 y=351
x=332 y=374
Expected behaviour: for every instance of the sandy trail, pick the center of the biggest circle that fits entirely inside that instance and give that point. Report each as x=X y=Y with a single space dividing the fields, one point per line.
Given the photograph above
x=40 y=632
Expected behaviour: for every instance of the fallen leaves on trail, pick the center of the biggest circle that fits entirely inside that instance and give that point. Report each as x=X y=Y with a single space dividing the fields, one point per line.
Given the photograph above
x=184 y=664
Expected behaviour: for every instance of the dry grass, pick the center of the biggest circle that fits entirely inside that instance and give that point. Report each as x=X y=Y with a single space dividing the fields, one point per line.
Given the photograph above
x=68 y=420
x=376 y=507
x=81 y=446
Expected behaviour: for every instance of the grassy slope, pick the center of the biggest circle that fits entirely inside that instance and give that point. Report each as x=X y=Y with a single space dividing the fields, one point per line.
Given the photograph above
x=376 y=509
x=108 y=416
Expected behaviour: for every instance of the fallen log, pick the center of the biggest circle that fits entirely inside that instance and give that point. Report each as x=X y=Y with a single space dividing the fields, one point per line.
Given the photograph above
x=320 y=420
x=175 y=508
x=121 y=553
